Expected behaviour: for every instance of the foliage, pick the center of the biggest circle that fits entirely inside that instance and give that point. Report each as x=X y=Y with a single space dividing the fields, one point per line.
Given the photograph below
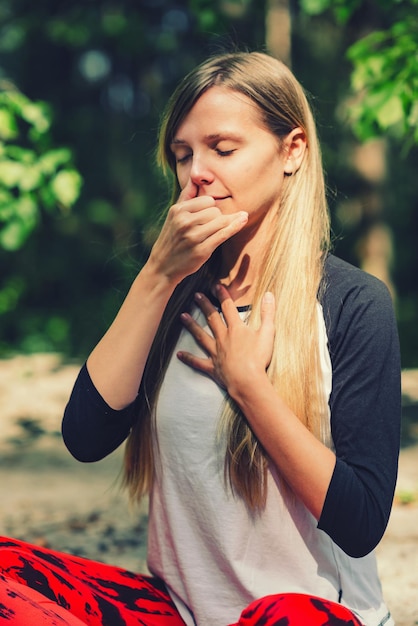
x=106 y=70
x=384 y=77
x=341 y=9
x=33 y=176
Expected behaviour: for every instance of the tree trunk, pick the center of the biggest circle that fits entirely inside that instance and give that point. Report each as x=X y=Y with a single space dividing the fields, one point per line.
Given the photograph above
x=278 y=30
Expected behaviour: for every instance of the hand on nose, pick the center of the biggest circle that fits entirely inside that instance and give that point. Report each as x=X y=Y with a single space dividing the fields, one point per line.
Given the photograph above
x=200 y=175
x=189 y=191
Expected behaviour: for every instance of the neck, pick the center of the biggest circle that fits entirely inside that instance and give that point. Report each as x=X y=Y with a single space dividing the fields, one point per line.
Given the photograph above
x=240 y=269
x=242 y=258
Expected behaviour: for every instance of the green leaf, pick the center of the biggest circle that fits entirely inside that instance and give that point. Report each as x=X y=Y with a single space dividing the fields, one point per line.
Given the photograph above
x=7 y=206
x=10 y=294
x=35 y=114
x=27 y=209
x=8 y=126
x=413 y=116
x=17 y=229
x=47 y=198
x=366 y=70
x=53 y=159
x=14 y=101
x=364 y=47
x=22 y=155
x=315 y=7
x=66 y=186
x=13 y=235
x=10 y=173
x=390 y=112
x=31 y=178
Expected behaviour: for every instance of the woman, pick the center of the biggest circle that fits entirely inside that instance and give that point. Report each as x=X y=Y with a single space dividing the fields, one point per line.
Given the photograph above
x=266 y=427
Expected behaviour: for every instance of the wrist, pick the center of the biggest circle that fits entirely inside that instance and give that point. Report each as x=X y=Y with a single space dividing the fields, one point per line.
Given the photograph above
x=245 y=389
x=156 y=277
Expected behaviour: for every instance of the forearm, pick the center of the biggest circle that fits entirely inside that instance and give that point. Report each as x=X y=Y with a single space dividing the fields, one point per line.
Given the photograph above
x=194 y=228
x=117 y=362
x=304 y=462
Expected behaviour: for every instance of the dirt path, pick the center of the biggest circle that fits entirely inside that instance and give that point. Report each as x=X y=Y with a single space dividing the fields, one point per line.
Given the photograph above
x=50 y=499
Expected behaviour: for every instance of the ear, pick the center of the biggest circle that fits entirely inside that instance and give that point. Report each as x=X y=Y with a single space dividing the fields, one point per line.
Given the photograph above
x=294 y=148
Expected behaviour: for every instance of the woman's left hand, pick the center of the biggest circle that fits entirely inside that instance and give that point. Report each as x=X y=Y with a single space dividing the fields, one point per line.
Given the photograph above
x=237 y=354
x=237 y=359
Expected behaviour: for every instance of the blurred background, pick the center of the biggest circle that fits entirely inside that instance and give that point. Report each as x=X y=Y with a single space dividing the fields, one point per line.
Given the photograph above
x=82 y=87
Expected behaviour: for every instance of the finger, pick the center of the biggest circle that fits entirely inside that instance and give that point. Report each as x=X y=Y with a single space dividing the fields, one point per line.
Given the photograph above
x=210 y=224
x=234 y=224
x=205 y=305
x=229 y=310
x=189 y=191
x=196 y=204
x=222 y=293
x=268 y=310
x=199 y=334
x=197 y=363
x=211 y=313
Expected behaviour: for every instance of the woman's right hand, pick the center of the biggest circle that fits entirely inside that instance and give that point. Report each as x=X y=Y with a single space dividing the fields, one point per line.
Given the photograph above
x=193 y=229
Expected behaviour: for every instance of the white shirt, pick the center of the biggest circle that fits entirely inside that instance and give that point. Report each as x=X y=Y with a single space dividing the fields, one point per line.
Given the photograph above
x=214 y=556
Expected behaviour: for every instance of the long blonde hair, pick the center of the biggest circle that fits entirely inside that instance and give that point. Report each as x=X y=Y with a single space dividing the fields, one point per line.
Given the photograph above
x=292 y=270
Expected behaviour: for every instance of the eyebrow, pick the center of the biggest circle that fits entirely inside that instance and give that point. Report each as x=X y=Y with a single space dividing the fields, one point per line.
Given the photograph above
x=208 y=138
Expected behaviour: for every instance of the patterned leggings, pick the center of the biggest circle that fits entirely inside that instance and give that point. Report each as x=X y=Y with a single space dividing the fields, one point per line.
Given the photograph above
x=41 y=587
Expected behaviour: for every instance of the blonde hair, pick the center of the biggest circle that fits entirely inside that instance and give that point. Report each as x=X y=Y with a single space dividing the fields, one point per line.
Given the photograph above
x=292 y=270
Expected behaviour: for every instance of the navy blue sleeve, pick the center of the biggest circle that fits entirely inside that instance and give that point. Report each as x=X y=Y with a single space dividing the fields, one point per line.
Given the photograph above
x=91 y=429
x=365 y=406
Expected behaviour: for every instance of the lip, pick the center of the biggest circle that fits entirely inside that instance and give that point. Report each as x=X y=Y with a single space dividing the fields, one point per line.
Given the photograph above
x=222 y=198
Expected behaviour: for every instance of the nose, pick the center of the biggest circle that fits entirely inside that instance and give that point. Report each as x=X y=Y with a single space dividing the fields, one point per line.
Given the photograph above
x=200 y=173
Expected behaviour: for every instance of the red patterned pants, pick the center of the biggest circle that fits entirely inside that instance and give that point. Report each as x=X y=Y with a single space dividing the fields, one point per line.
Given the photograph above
x=41 y=587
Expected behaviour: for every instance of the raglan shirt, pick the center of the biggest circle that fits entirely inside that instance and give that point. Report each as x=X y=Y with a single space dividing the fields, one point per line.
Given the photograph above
x=364 y=407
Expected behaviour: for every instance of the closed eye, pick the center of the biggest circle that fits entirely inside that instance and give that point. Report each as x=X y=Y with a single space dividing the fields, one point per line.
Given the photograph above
x=224 y=153
x=184 y=158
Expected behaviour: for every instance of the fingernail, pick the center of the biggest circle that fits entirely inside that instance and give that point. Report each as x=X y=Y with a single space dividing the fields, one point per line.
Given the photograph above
x=243 y=216
x=268 y=297
x=198 y=295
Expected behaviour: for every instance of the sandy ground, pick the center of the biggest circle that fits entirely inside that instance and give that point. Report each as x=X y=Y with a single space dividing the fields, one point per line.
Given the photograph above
x=50 y=499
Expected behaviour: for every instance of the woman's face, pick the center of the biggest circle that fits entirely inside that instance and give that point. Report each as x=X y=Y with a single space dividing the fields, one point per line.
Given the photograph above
x=227 y=152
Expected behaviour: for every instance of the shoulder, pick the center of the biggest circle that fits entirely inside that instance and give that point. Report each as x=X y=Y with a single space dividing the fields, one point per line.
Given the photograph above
x=348 y=293
x=341 y=278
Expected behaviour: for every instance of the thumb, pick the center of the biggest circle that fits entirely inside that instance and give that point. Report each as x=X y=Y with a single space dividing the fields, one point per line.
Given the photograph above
x=189 y=191
x=268 y=309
